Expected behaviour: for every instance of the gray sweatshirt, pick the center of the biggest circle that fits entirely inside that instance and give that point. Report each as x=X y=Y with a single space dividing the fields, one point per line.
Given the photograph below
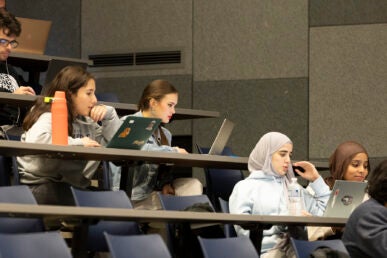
x=39 y=169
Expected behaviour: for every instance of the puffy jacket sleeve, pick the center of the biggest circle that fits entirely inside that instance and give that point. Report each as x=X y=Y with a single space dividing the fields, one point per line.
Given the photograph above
x=315 y=203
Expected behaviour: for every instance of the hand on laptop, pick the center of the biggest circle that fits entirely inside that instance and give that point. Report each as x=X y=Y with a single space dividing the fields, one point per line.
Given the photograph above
x=87 y=142
x=181 y=150
x=305 y=213
x=25 y=90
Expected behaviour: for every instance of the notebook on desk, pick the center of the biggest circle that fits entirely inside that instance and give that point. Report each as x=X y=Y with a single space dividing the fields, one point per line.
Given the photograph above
x=134 y=132
x=345 y=197
x=34 y=35
x=221 y=138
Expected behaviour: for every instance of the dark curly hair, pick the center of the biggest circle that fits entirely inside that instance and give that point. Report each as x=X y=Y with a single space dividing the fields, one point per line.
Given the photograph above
x=377 y=183
x=9 y=24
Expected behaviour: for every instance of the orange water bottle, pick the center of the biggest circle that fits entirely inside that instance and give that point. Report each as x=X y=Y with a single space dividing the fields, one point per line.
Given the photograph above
x=59 y=119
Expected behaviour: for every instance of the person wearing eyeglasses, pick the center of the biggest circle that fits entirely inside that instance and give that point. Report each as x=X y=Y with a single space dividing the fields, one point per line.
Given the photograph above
x=10 y=81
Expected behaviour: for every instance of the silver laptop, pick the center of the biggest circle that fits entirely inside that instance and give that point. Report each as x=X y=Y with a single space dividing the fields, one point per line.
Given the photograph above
x=345 y=197
x=34 y=36
x=221 y=138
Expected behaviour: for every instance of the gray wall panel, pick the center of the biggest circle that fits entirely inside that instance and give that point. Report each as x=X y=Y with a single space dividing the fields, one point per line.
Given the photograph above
x=348 y=88
x=250 y=39
x=118 y=26
x=341 y=12
x=256 y=106
x=249 y=59
x=65 y=34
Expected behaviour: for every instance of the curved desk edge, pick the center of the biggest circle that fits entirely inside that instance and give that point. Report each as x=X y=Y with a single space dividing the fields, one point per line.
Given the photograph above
x=121 y=108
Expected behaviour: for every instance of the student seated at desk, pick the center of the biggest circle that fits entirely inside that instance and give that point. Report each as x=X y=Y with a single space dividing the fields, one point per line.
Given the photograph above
x=50 y=179
x=348 y=162
x=158 y=100
x=10 y=28
x=265 y=191
x=365 y=234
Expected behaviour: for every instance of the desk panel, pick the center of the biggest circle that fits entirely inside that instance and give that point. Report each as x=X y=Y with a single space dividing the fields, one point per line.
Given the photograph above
x=72 y=212
x=121 y=108
x=16 y=148
x=34 y=64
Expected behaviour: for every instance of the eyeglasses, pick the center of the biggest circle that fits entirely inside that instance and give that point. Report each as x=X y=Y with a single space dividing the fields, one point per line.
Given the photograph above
x=6 y=42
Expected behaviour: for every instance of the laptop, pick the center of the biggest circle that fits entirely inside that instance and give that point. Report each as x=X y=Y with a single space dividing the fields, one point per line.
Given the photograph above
x=345 y=197
x=134 y=132
x=34 y=35
x=221 y=138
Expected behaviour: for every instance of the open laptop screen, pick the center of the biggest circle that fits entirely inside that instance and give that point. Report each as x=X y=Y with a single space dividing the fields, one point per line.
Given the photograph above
x=221 y=138
x=345 y=197
x=34 y=36
x=134 y=132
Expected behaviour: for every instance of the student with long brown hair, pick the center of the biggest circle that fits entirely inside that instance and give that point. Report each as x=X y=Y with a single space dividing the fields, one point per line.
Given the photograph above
x=50 y=179
x=158 y=100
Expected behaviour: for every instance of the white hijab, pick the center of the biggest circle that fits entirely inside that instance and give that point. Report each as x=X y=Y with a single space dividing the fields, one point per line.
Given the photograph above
x=261 y=155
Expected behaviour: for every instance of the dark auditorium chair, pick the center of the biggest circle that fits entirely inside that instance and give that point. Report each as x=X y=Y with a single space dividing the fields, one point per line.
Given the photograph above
x=220 y=182
x=137 y=246
x=228 y=247
x=229 y=230
x=20 y=194
x=180 y=203
x=108 y=199
x=34 y=245
x=107 y=97
x=9 y=174
x=5 y=171
x=304 y=248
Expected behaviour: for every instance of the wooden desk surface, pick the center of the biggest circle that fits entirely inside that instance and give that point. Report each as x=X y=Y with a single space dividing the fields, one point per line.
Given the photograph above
x=121 y=108
x=51 y=211
x=16 y=148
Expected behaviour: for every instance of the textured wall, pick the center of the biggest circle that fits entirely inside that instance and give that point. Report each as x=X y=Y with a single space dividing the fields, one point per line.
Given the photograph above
x=314 y=70
x=65 y=35
x=347 y=75
x=145 y=25
x=348 y=87
x=250 y=39
x=256 y=106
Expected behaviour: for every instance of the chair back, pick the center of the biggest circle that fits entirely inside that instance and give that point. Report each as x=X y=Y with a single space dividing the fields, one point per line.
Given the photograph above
x=5 y=171
x=137 y=246
x=107 y=97
x=304 y=248
x=106 y=182
x=229 y=230
x=34 y=245
x=20 y=194
x=178 y=203
x=220 y=182
x=8 y=165
x=180 y=237
x=228 y=247
x=107 y=199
